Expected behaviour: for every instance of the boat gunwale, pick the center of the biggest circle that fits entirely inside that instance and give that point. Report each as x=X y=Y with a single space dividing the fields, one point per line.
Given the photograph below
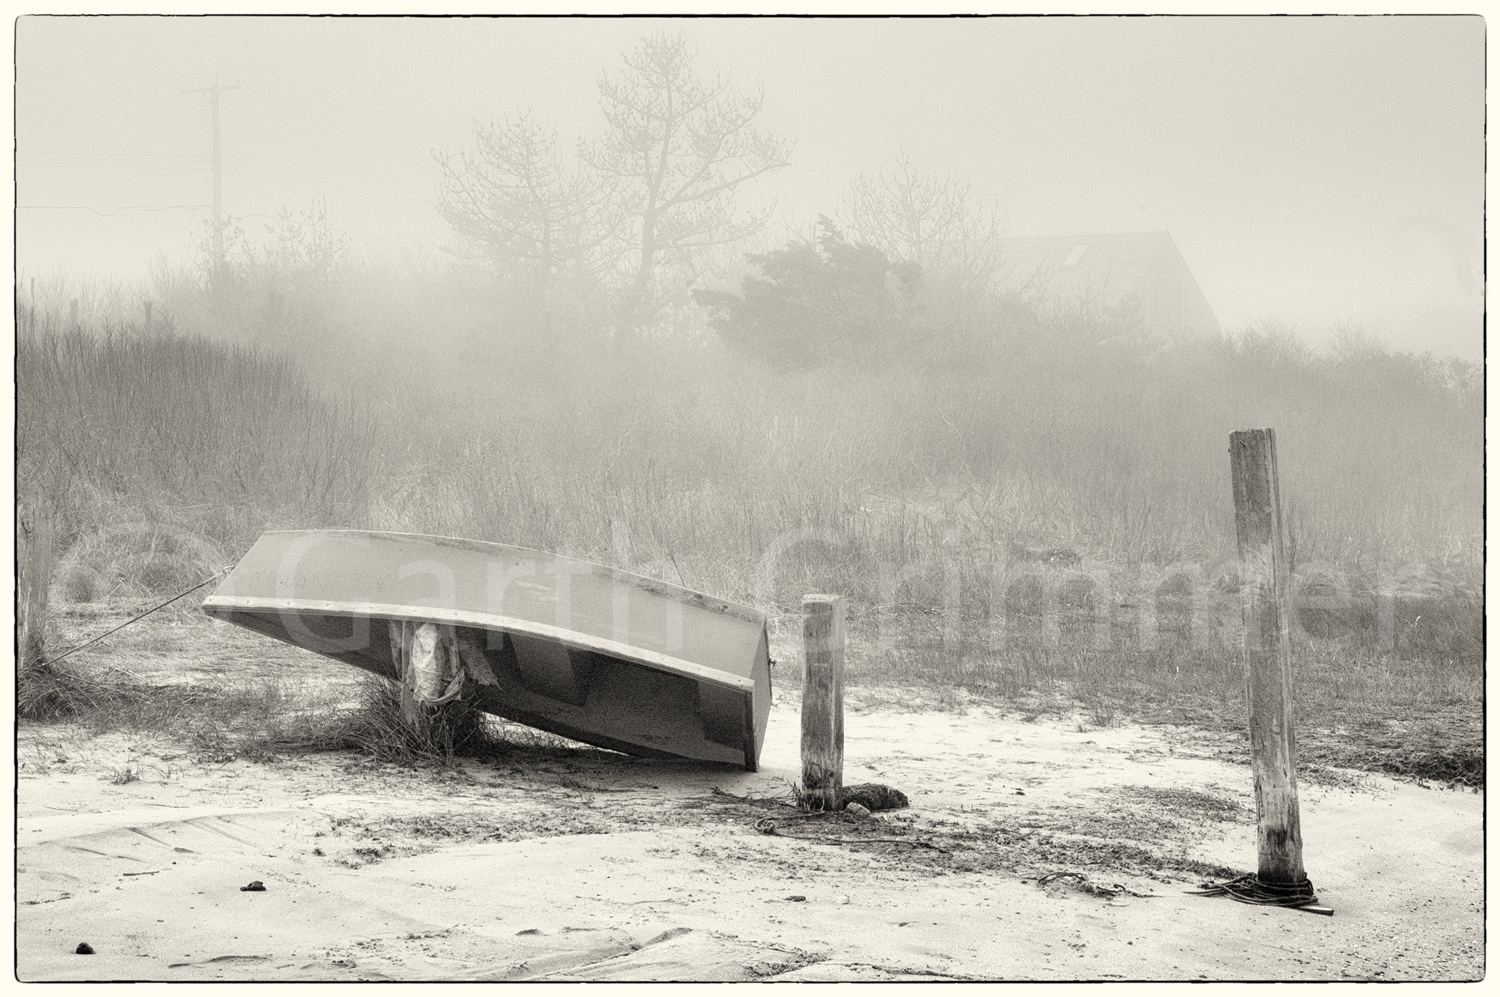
x=225 y=607
x=646 y=583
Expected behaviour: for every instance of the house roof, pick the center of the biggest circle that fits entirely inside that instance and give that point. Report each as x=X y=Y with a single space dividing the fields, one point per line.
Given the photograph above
x=1108 y=265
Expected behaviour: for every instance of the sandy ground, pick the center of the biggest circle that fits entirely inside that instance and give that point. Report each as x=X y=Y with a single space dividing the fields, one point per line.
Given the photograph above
x=559 y=864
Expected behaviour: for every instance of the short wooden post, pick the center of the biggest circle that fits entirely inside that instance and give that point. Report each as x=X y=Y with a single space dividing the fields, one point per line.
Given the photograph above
x=1266 y=575
x=402 y=634
x=431 y=675
x=822 y=701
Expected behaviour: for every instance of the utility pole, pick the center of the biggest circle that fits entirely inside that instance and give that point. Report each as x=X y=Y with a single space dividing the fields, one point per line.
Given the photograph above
x=218 y=228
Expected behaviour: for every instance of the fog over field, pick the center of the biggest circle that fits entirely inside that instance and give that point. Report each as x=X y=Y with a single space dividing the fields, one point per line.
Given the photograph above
x=949 y=319
x=1311 y=171
x=664 y=292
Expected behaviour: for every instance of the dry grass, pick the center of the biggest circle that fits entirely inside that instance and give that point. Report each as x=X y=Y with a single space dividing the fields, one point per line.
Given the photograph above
x=376 y=727
x=158 y=455
x=258 y=720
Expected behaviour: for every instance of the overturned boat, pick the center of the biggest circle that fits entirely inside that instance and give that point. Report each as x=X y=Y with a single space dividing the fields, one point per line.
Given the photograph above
x=579 y=649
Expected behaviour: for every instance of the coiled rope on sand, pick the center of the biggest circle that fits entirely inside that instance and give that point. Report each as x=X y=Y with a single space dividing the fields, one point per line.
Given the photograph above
x=1250 y=889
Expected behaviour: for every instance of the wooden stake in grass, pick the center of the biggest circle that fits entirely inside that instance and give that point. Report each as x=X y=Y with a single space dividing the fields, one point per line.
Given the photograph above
x=822 y=701
x=34 y=564
x=1268 y=673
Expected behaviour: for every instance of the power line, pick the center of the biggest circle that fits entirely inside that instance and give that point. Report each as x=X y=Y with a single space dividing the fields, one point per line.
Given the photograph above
x=342 y=231
x=386 y=238
x=348 y=191
x=301 y=96
x=410 y=206
x=359 y=109
x=24 y=73
x=112 y=155
x=97 y=211
x=319 y=181
x=200 y=207
x=342 y=189
x=108 y=167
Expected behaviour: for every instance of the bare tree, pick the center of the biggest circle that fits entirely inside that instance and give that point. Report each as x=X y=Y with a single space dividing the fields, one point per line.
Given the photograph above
x=675 y=150
x=307 y=247
x=925 y=219
x=513 y=199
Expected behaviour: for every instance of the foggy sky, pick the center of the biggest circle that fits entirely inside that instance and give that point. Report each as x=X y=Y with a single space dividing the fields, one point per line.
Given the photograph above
x=1308 y=168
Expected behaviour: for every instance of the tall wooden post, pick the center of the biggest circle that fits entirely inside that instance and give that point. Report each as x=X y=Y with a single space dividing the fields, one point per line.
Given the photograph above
x=1266 y=575
x=822 y=701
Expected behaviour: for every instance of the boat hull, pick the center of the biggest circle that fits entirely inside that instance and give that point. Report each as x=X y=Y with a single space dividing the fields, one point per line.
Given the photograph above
x=579 y=649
